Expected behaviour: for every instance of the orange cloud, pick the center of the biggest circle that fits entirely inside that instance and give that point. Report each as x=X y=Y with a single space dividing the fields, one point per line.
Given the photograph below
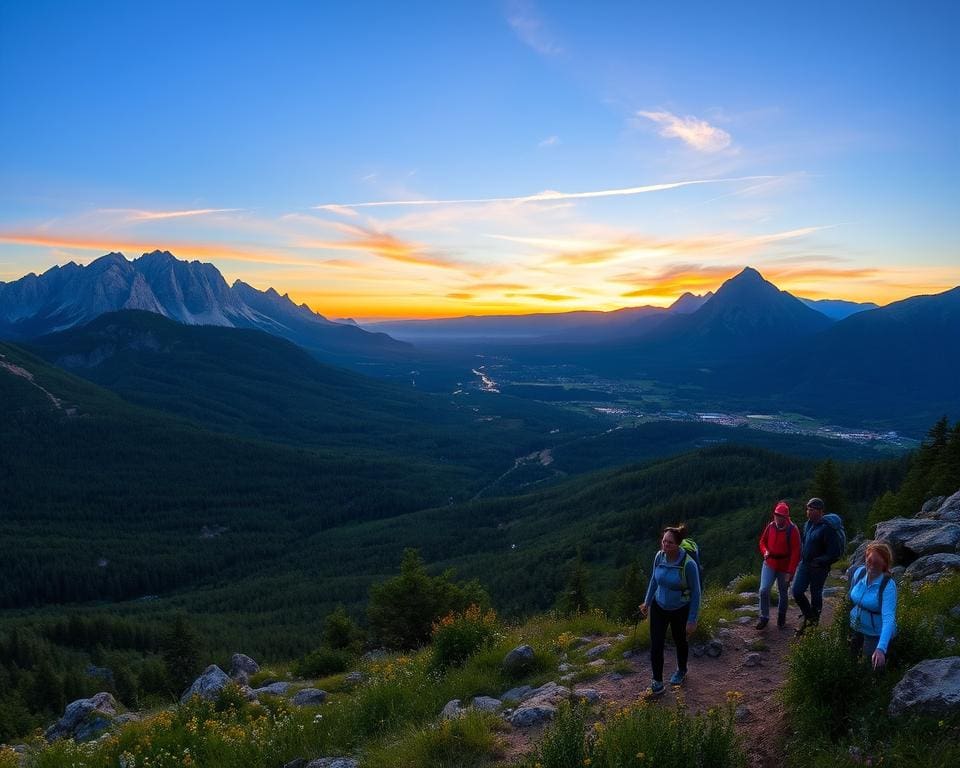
x=382 y=244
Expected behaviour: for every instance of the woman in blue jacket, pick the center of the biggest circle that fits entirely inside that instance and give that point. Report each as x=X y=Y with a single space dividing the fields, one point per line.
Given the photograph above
x=673 y=598
x=873 y=617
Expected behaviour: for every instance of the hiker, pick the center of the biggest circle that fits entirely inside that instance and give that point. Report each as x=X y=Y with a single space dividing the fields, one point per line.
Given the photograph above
x=780 y=547
x=673 y=598
x=822 y=545
x=873 y=616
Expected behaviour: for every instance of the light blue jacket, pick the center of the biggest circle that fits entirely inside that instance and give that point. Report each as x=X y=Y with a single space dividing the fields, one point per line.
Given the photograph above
x=666 y=586
x=865 y=614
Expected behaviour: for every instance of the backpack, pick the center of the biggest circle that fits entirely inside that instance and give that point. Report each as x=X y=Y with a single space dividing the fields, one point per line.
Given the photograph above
x=836 y=523
x=690 y=551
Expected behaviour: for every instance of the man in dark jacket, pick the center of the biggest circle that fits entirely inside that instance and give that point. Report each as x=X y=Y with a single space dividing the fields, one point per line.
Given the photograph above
x=821 y=546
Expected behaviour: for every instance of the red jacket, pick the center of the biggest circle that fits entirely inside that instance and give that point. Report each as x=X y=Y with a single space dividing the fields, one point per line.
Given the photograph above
x=783 y=547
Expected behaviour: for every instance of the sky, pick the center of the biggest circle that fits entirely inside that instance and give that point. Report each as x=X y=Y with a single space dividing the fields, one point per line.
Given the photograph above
x=434 y=159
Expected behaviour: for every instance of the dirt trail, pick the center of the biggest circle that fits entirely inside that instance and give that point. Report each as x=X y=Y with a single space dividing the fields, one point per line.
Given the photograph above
x=760 y=722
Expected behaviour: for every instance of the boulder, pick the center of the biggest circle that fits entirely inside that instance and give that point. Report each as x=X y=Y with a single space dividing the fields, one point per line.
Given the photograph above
x=932 y=687
x=540 y=705
x=931 y=505
x=742 y=714
x=752 y=660
x=598 y=650
x=518 y=660
x=899 y=530
x=273 y=689
x=932 y=565
x=486 y=703
x=334 y=762
x=242 y=666
x=532 y=715
x=597 y=663
x=84 y=719
x=519 y=693
x=208 y=686
x=297 y=762
x=714 y=649
x=950 y=509
x=944 y=538
x=451 y=710
x=309 y=697
x=589 y=695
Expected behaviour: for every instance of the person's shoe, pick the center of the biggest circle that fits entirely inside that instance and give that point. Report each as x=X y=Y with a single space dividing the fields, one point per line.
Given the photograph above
x=656 y=689
x=813 y=622
x=762 y=624
x=781 y=622
x=678 y=677
x=802 y=628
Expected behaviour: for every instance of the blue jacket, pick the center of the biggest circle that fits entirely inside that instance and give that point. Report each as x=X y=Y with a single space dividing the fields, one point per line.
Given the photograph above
x=666 y=586
x=865 y=614
x=821 y=545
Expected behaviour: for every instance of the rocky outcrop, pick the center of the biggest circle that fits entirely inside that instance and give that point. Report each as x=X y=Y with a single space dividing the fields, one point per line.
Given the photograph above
x=242 y=667
x=84 y=719
x=948 y=509
x=539 y=706
x=518 y=660
x=932 y=687
x=932 y=565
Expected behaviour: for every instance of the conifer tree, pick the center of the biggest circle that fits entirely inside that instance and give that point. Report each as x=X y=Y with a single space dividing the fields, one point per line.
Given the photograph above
x=574 y=598
x=826 y=485
x=633 y=588
x=180 y=651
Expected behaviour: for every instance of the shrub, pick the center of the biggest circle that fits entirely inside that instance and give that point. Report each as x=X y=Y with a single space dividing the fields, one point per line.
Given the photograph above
x=323 y=662
x=340 y=631
x=462 y=742
x=457 y=636
x=563 y=744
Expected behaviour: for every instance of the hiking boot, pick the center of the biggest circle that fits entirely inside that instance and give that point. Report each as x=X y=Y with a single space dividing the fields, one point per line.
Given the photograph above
x=802 y=628
x=762 y=624
x=781 y=622
x=656 y=689
x=678 y=677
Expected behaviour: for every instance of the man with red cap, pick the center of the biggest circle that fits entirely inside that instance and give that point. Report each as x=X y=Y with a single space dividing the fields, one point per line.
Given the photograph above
x=780 y=547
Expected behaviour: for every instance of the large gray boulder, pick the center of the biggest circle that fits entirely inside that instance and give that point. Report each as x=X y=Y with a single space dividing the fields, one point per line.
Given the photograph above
x=208 y=686
x=931 y=565
x=540 y=705
x=930 y=506
x=84 y=719
x=242 y=667
x=519 y=693
x=333 y=762
x=932 y=687
x=273 y=689
x=944 y=538
x=486 y=703
x=898 y=531
x=518 y=660
x=950 y=509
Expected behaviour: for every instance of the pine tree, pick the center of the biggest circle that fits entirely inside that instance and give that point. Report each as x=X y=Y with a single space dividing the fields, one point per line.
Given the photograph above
x=826 y=485
x=180 y=650
x=633 y=589
x=574 y=598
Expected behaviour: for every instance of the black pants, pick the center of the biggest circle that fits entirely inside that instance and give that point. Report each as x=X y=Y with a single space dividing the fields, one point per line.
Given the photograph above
x=659 y=619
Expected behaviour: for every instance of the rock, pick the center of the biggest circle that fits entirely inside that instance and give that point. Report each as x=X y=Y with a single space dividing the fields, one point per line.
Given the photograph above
x=597 y=663
x=518 y=660
x=752 y=660
x=698 y=649
x=898 y=531
x=273 y=689
x=831 y=591
x=208 y=686
x=486 y=703
x=897 y=572
x=943 y=538
x=714 y=649
x=931 y=565
x=932 y=687
x=949 y=510
x=748 y=609
x=955 y=612
x=333 y=762
x=744 y=620
x=354 y=678
x=84 y=719
x=615 y=677
x=742 y=714
x=519 y=693
x=451 y=710
x=748 y=595
x=242 y=666
x=931 y=505
x=127 y=717
x=525 y=717
x=309 y=697
x=377 y=654
x=564 y=667
x=297 y=762
x=589 y=695
x=579 y=642
x=598 y=650
x=723 y=620
x=567 y=678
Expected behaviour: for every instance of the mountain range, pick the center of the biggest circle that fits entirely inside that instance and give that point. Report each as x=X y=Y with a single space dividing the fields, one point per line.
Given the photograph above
x=192 y=293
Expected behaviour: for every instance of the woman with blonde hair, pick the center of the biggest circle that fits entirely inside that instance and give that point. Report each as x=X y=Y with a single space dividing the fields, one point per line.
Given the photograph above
x=873 y=616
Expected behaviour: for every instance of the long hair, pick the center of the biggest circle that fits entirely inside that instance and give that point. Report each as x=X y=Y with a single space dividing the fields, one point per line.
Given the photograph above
x=883 y=549
x=679 y=532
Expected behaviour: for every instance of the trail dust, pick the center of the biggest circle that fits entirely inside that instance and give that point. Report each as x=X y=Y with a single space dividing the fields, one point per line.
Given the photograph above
x=761 y=722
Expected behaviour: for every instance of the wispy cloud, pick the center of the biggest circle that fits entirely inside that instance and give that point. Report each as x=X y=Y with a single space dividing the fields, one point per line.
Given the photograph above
x=133 y=214
x=529 y=26
x=550 y=141
x=383 y=244
x=695 y=133
x=545 y=196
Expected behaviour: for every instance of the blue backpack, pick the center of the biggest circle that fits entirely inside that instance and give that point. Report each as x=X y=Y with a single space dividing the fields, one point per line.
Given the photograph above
x=836 y=524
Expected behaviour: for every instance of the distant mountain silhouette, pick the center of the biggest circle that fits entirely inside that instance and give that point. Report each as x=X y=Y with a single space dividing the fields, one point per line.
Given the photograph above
x=838 y=309
x=690 y=302
x=192 y=293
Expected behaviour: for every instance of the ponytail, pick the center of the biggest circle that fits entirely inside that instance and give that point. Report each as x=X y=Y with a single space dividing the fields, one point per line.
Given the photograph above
x=679 y=531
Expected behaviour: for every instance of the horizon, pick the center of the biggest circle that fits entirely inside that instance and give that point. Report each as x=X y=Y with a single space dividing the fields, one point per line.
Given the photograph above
x=383 y=164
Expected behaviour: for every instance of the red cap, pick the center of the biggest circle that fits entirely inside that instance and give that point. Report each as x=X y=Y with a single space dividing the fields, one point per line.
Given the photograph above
x=782 y=509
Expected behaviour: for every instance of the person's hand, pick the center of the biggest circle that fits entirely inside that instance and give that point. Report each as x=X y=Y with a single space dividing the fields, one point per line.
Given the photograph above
x=879 y=659
x=691 y=628
x=643 y=609
x=766 y=554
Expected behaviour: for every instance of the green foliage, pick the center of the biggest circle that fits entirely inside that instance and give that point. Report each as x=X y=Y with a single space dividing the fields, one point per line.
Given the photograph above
x=574 y=599
x=468 y=741
x=641 y=735
x=747 y=582
x=633 y=589
x=340 y=631
x=181 y=653
x=826 y=485
x=323 y=662
x=402 y=610
x=457 y=636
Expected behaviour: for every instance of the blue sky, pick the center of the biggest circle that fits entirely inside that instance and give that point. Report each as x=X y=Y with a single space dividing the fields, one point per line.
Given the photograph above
x=816 y=143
